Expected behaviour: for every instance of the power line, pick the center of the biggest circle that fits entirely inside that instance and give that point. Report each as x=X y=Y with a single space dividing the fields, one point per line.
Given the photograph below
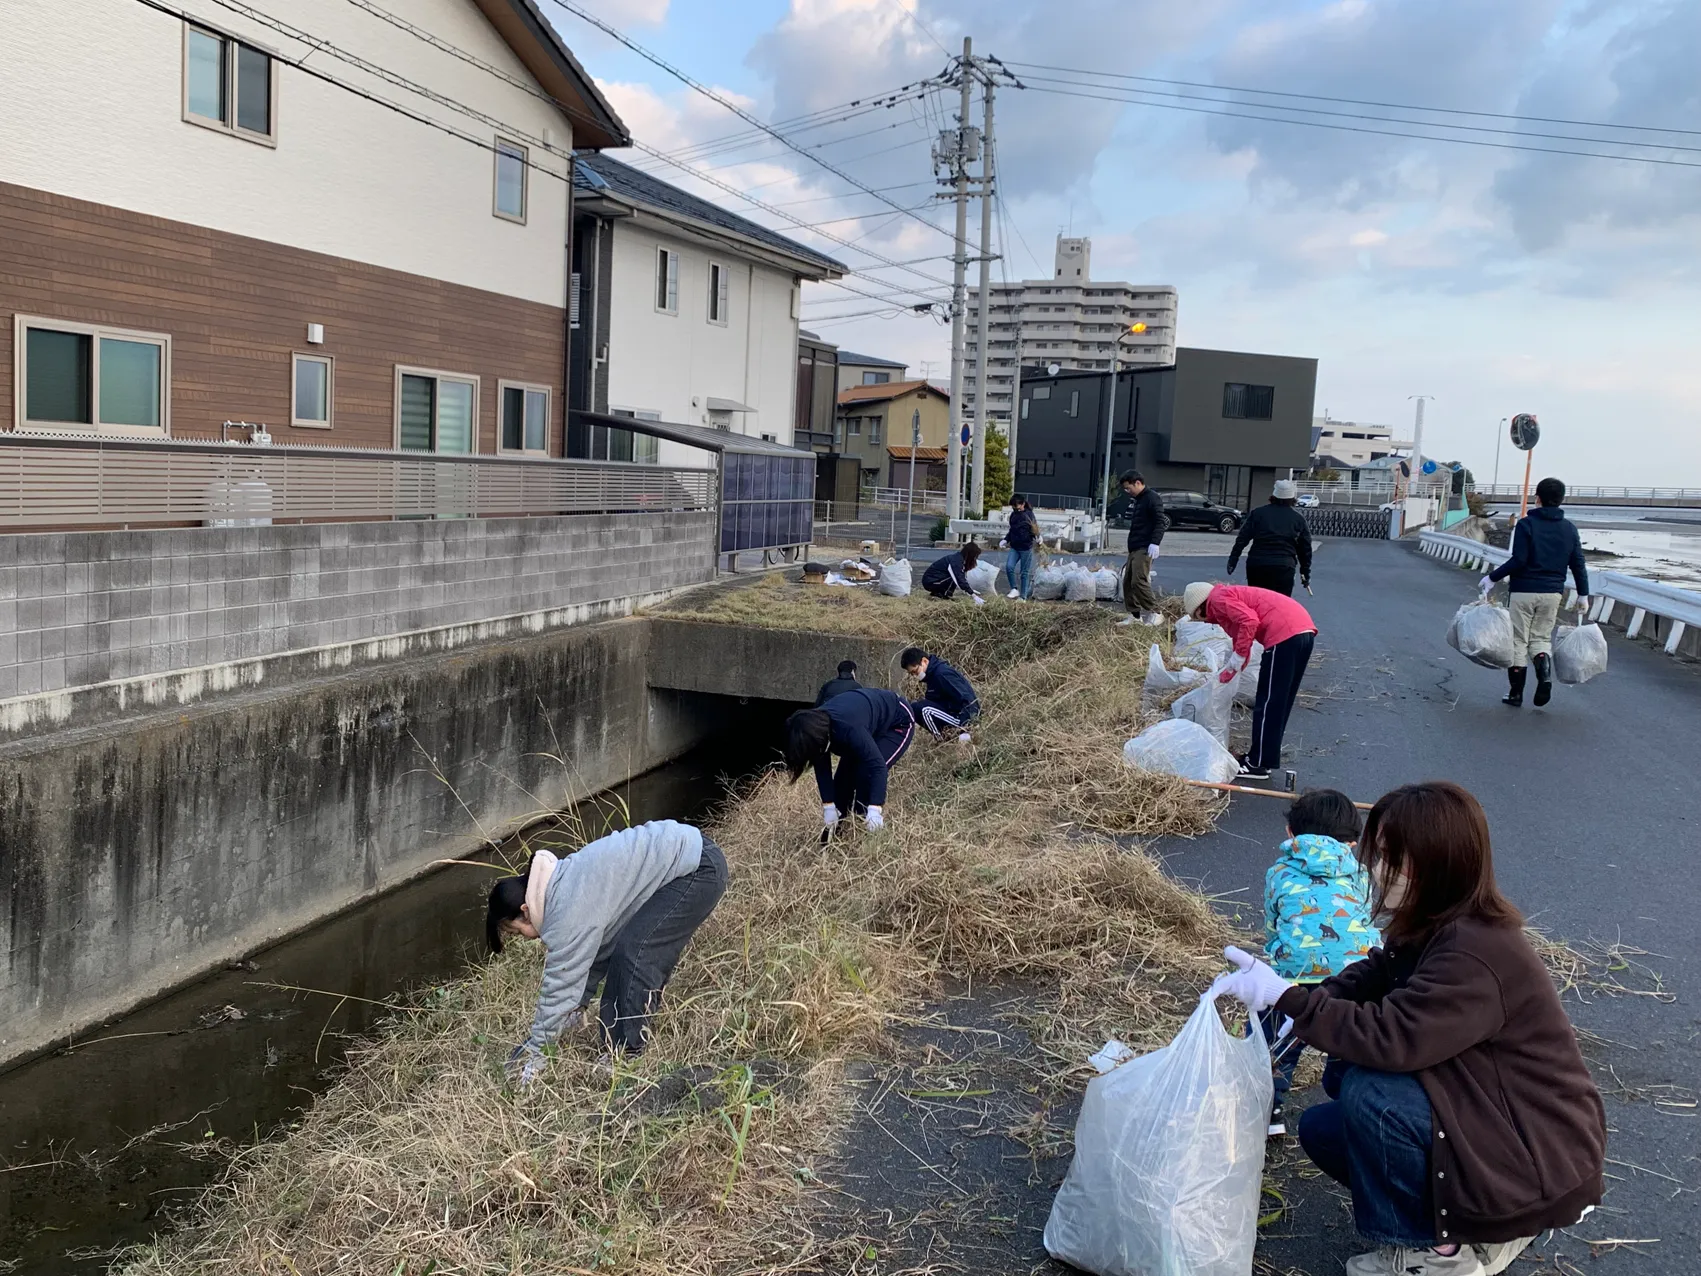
x=1349 y=128
x=1349 y=101
x=732 y=106
x=915 y=20
x=825 y=118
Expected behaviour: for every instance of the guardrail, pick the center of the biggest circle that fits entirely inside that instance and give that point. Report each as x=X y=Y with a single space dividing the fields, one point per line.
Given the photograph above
x=1680 y=608
x=60 y=481
x=1601 y=493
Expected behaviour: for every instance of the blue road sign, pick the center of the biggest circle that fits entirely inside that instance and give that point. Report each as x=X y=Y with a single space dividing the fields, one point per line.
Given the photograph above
x=1429 y=467
x=968 y=435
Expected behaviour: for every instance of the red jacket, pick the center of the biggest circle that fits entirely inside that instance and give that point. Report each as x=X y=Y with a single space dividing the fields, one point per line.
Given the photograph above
x=1248 y=612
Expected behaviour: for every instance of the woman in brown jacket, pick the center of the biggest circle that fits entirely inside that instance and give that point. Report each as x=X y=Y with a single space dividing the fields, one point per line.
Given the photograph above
x=1462 y=1115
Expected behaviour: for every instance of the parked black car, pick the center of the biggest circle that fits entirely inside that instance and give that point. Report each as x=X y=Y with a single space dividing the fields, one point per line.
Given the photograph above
x=1195 y=509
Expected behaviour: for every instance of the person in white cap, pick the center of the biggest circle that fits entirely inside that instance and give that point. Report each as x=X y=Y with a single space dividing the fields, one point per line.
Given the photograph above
x=1280 y=540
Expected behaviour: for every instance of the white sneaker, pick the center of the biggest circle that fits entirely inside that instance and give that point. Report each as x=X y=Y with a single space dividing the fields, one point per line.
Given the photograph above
x=1396 y=1260
x=1152 y=618
x=1125 y=621
x=1014 y=593
x=1498 y=1257
x=963 y=738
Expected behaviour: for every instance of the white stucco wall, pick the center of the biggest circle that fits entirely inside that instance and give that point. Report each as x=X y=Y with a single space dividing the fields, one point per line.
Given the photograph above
x=91 y=95
x=674 y=363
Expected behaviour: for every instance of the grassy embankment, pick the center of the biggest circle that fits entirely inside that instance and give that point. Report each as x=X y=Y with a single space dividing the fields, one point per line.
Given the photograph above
x=702 y=1155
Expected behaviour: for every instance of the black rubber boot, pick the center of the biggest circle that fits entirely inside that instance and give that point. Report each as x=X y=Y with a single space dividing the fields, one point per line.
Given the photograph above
x=1544 y=679
x=1515 y=677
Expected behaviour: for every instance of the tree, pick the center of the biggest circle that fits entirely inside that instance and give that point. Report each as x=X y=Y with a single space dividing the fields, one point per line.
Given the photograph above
x=999 y=481
x=1325 y=474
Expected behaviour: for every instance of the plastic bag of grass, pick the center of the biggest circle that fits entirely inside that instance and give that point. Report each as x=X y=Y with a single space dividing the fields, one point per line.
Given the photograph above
x=895 y=579
x=983 y=578
x=1078 y=585
x=1169 y=1157
x=1482 y=634
x=1162 y=682
x=1107 y=584
x=1202 y=644
x=1179 y=746
x=1048 y=584
x=1579 y=654
x=1246 y=686
x=1211 y=704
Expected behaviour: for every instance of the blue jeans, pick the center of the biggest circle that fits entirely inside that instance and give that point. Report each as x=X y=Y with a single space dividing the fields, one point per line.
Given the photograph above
x=1019 y=568
x=1284 y=1057
x=1374 y=1137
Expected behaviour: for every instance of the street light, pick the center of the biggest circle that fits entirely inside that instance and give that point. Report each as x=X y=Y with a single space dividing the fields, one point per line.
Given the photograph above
x=1499 y=434
x=1134 y=330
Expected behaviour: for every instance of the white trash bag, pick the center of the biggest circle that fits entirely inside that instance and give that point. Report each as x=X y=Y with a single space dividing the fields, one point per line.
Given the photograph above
x=1162 y=681
x=1048 y=584
x=1211 y=705
x=1179 y=747
x=1580 y=654
x=1246 y=686
x=1200 y=643
x=983 y=578
x=1107 y=584
x=1079 y=586
x=1169 y=1159
x=1482 y=634
x=895 y=579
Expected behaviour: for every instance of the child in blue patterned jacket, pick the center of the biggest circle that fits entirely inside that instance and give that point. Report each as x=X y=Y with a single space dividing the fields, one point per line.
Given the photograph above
x=1317 y=912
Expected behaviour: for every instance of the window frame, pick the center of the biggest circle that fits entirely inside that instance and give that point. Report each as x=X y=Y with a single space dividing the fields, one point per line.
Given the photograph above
x=720 y=292
x=1247 y=408
x=231 y=43
x=21 y=324
x=527 y=387
x=666 y=281
x=508 y=146
x=439 y=375
x=296 y=420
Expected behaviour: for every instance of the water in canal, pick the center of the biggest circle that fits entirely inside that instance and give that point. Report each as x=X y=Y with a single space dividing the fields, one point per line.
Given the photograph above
x=99 y=1143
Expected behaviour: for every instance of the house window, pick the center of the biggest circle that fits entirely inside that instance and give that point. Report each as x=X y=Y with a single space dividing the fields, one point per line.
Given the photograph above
x=1042 y=392
x=511 y=166
x=1036 y=467
x=874 y=424
x=436 y=411
x=626 y=445
x=876 y=378
x=853 y=427
x=310 y=391
x=228 y=85
x=1074 y=403
x=92 y=379
x=1248 y=402
x=667 y=281
x=717 y=293
x=525 y=418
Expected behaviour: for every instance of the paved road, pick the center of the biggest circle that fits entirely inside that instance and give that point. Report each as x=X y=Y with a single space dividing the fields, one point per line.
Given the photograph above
x=1597 y=829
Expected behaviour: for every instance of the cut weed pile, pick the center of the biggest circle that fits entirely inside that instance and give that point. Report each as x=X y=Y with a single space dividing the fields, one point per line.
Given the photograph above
x=701 y=1155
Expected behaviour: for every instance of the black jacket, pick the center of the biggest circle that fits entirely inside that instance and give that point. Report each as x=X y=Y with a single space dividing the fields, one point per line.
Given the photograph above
x=837 y=687
x=1024 y=529
x=1279 y=537
x=1147 y=521
x=947 y=688
x=871 y=727
x=946 y=575
x=1544 y=544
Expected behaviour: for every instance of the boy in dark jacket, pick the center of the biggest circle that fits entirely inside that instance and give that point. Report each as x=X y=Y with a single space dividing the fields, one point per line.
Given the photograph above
x=1544 y=544
x=869 y=728
x=846 y=681
x=950 y=701
x=949 y=573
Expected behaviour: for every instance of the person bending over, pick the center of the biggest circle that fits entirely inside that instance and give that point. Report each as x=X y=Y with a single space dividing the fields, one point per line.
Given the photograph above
x=949 y=702
x=1280 y=540
x=617 y=912
x=869 y=728
x=1544 y=544
x=950 y=573
x=1462 y=1116
x=846 y=681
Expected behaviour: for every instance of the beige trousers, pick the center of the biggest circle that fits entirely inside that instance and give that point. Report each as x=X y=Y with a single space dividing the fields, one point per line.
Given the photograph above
x=1533 y=619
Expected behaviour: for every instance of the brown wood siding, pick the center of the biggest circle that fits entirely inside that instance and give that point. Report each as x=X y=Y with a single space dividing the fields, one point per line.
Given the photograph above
x=237 y=308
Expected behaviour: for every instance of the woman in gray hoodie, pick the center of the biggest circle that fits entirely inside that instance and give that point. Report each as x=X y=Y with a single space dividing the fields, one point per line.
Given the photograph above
x=619 y=911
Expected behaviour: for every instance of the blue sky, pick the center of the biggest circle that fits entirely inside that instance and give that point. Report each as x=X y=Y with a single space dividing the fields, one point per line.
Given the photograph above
x=1496 y=280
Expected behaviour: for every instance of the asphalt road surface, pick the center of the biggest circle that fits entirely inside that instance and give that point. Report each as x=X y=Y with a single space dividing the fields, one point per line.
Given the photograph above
x=1597 y=834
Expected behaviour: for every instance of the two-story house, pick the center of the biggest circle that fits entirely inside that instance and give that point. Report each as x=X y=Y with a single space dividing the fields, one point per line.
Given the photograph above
x=685 y=313
x=345 y=225
x=868 y=369
x=877 y=424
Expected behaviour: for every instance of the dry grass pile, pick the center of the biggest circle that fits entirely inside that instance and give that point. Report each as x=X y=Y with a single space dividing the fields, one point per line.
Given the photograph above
x=700 y=1156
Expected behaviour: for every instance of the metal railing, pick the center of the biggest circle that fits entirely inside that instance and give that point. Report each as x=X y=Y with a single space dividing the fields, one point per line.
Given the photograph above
x=58 y=481
x=1607 y=590
x=899 y=498
x=1601 y=493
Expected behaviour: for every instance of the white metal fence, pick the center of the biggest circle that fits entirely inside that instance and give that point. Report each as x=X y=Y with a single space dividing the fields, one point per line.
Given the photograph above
x=1608 y=590
x=55 y=481
x=899 y=498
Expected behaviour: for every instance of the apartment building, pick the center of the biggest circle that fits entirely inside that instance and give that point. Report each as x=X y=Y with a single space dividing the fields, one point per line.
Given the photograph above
x=1069 y=320
x=1349 y=444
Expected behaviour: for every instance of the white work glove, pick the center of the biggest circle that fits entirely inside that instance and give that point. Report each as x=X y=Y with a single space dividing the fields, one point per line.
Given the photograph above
x=1003 y=544
x=829 y=814
x=876 y=819
x=1582 y=603
x=1253 y=982
x=1152 y=552
x=524 y=1064
x=979 y=601
x=1485 y=584
x=1231 y=671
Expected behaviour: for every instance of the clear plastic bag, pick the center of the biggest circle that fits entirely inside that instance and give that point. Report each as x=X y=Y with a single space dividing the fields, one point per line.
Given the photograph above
x=1482 y=634
x=1202 y=644
x=1580 y=654
x=895 y=579
x=1048 y=584
x=1169 y=1159
x=1179 y=747
x=1246 y=686
x=1211 y=705
x=1079 y=586
x=1107 y=584
x=1162 y=682
x=982 y=578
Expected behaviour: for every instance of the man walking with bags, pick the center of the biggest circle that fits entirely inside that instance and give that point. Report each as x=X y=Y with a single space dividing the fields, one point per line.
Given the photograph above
x=1544 y=545
x=1146 y=524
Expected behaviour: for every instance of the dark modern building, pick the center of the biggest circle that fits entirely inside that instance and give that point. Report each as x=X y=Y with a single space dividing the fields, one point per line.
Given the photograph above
x=1221 y=422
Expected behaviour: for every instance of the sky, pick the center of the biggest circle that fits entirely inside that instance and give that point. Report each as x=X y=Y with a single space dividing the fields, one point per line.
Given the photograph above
x=1489 y=273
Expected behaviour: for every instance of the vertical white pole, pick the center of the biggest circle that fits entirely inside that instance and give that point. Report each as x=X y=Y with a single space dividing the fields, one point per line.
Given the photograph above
x=977 y=481
x=959 y=303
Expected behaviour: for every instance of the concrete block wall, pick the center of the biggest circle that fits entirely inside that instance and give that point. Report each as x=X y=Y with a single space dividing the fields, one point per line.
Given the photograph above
x=84 y=608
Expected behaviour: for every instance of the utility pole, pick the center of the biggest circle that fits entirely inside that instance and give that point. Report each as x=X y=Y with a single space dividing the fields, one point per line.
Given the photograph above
x=1417 y=435
x=956 y=150
x=977 y=485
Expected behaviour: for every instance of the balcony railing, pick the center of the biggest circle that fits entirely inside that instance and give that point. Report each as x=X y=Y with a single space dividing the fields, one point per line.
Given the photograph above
x=65 y=481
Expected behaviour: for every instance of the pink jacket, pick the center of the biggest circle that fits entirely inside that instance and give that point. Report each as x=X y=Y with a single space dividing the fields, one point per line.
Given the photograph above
x=1248 y=613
